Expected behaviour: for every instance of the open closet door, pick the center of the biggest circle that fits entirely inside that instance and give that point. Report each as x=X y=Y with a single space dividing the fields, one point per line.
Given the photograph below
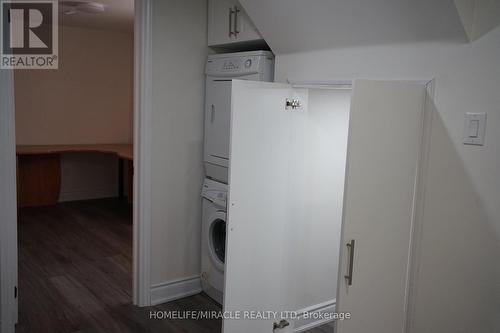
x=257 y=204
x=385 y=134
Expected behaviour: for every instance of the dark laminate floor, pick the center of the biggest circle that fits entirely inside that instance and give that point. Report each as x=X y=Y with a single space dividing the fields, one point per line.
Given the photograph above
x=75 y=273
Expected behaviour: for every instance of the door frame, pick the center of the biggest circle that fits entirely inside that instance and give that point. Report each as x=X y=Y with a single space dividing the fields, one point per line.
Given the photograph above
x=143 y=32
x=8 y=205
x=142 y=175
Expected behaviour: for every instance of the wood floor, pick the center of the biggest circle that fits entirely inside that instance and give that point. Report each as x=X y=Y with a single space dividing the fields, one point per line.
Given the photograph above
x=75 y=274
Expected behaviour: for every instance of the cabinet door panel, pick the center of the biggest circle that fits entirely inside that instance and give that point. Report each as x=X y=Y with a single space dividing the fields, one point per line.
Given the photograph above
x=385 y=132
x=220 y=24
x=229 y=23
x=258 y=204
x=246 y=30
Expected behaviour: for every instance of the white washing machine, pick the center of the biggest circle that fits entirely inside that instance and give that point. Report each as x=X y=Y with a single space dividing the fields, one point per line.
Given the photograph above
x=213 y=238
x=220 y=70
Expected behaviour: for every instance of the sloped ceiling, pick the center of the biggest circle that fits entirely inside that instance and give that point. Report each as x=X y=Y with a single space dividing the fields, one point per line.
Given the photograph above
x=479 y=16
x=303 y=25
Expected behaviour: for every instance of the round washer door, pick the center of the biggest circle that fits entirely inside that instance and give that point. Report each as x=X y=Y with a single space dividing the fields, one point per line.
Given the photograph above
x=217 y=239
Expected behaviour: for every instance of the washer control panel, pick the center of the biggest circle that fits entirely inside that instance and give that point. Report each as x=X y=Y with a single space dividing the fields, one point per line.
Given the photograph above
x=215 y=192
x=240 y=63
x=238 y=66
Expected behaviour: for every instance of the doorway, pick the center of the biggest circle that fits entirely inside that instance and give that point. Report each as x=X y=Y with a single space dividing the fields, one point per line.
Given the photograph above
x=141 y=180
x=74 y=166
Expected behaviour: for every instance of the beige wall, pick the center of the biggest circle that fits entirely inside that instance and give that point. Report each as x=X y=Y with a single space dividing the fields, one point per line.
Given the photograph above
x=87 y=100
x=458 y=285
x=179 y=55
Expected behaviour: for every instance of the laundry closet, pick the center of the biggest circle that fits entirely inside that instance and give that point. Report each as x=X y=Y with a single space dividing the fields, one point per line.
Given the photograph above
x=321 y=202
x=310 y=193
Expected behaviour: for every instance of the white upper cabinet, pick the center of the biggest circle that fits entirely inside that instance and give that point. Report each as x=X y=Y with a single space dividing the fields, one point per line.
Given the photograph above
x=228 y=23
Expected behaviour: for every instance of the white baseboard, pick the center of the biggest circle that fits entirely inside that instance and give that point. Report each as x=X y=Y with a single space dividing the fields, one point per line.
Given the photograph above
x=303 y=324
x=175 y=289
x=87 y=194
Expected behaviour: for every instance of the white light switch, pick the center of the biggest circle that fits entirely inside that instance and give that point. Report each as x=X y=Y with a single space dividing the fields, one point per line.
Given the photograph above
x=475 y=128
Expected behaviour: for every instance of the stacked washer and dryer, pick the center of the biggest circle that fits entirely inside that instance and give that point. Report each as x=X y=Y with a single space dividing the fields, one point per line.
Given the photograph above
x=220 y=70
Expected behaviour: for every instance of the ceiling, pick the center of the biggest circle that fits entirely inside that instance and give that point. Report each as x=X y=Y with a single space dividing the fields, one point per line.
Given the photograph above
x=118 y=16
x=479 y=16
x=291 y=26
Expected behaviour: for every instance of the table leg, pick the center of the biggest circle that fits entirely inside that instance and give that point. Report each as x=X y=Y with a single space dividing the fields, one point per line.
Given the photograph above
x=130 y=187
x=120 y=178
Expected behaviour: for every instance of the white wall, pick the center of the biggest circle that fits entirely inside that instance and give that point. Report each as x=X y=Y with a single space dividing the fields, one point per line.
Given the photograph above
x=458 y=286
x=179 y=55
x=317 y=174
x=301 y=26
x=87 y=100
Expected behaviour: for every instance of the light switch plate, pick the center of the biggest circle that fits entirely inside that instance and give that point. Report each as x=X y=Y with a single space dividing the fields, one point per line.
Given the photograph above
x=474 y=129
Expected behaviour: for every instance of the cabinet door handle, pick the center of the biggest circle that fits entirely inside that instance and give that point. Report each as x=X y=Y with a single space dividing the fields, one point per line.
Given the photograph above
x=282 y=324
x=231 y=13
x=212 y=114
x=236 y=13
x=350 y=249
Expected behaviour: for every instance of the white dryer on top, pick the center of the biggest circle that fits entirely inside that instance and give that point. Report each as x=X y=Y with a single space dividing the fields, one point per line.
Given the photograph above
x=220 y=70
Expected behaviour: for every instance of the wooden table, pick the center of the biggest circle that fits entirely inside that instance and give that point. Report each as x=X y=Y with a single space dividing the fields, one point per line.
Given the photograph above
x=39 y=170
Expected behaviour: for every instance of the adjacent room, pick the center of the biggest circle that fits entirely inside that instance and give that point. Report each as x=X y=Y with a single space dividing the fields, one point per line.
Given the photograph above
x=74 y=138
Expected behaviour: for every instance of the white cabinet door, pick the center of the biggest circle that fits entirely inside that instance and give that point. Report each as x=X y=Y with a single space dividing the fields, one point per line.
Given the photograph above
x=257 y=206
x=221 y=22
x=386 y=126
x=245 y=30
x=229 y=23
x=217 y=121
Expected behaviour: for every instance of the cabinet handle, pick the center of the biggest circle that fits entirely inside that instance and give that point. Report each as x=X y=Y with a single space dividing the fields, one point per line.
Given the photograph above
x=231 y=13
x=281 y=325
x=236 y=13
x=350 y=248
x=212 y=114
